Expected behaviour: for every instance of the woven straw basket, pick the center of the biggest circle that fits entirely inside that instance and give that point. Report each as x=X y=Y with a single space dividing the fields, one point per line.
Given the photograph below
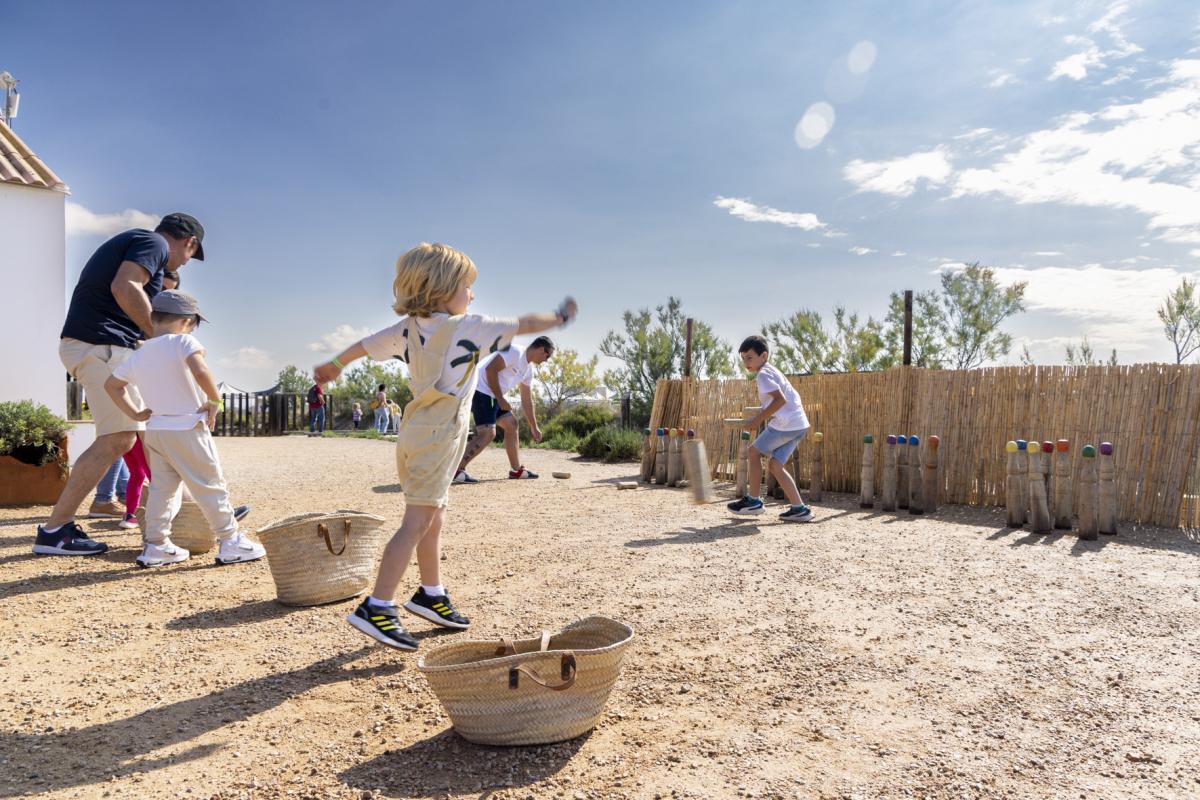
x=531 y=691
x=189 y=528
x=322 y=558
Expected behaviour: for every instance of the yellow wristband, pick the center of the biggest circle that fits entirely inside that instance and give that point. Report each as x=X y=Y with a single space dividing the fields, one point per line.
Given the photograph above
x=219 y=405
x=337 y=363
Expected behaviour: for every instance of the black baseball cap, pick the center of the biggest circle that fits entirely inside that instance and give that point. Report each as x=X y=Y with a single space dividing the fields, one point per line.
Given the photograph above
x=187 y=225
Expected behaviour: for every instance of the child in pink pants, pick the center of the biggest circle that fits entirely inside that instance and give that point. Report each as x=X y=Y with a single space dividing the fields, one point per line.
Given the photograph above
x=139 y=473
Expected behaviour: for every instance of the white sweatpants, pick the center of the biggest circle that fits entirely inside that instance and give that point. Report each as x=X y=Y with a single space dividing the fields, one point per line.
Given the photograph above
x=190 y=458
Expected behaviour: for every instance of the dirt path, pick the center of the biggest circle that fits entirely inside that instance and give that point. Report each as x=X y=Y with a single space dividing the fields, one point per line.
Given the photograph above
x=865 y=655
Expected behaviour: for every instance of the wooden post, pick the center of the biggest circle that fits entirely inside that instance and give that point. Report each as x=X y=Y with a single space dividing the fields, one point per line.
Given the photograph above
x=1108 y=490
x=1062 y=484
x=901 y=471
x=1088 y=495
x=1039 y=520
x=866 y=497
x=673 y=457
x=929 y=477
x=743 y=463
x=660 y=457
x=914 y=476
x=908 y=306
x=816 y=477
x=647 y=456
x=888 y=499
x=1015 y=497
x=687 y=352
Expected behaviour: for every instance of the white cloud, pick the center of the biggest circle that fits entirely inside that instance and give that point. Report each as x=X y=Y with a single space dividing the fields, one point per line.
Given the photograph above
x=1000 y=79
x=899 y=253
x=1092 y=57
x=1047 y=253
x=338 y=339
x=84 y=222
x=742 y=208
x=248 y=358
x=974 y=133
x=899 y=176
x=862 y=251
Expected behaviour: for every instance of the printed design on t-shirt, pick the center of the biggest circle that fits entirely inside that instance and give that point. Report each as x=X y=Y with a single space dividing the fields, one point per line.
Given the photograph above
x=405 y=357
x=472 y=357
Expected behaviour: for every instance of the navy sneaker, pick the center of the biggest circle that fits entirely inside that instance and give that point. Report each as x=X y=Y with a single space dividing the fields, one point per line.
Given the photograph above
x=800 y=513
x=240 y=512
x=69 y=540
x=382 y=624
x=746 y=506
x=438 y=610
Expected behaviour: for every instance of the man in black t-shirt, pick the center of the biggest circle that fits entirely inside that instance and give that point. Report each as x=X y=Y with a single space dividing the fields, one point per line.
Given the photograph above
x=108 y=317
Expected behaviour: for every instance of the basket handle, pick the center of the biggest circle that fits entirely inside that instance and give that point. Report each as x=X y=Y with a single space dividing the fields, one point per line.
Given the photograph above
x=508 y=648
x=567 y=675
x=323 y=531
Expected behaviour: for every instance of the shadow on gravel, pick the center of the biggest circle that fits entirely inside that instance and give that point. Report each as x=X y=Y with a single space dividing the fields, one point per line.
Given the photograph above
x=446 y=764
x=733 y=529
x=245 y=614
x=122 y=568
x=45 y=762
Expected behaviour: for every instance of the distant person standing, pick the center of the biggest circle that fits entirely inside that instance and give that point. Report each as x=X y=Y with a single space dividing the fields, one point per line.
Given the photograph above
x=108 y=317
x=356 y=415
x=316 y=409
x=381 y=409
x=394 y=411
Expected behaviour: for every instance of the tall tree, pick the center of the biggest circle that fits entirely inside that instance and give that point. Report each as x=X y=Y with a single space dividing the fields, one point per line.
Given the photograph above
x=565 y=377
x=1082 y=355
x=293 y=380
x=800 y=344
x=858 y=347
x=975 y=304
x=652 y=347
x=1180 y=316
x=928 y=330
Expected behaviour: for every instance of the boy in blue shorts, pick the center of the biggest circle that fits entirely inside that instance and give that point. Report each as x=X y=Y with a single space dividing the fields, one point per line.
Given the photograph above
x=787 y=425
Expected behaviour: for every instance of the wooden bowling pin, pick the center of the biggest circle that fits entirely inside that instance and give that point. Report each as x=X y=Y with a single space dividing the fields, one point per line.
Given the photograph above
x=1089 y=495
x=673 y=457
x=1014 y=496
x=647 y=456
x=902 y=471
x=1108 y=490
x=1062 y=484
x=660 y=457
x=929 y=476
x=887 y=500
x=866 y=497
x=1023 y=477
x=816 y=475
x=914 y=476
x=699 y=480
x=1040 y=520
x=743 y=463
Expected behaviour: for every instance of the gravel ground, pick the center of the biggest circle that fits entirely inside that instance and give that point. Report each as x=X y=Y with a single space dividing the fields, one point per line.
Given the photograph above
x=863 y=655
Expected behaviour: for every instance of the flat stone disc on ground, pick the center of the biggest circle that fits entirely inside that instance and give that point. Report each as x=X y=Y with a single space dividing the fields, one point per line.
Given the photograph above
x=561 y=474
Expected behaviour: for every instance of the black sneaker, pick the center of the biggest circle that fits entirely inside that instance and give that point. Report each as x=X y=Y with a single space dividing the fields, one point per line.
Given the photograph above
x=746 y=506
x=240 y=512
x=797 y=514
x=438 y=610
x=69 y=540
x=381 y=624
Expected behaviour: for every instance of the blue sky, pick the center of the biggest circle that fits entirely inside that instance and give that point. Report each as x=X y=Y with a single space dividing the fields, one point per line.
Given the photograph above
x=622 y=152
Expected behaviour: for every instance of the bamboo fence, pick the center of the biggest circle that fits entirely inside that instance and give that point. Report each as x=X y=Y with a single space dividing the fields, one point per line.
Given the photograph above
x=1150 y=412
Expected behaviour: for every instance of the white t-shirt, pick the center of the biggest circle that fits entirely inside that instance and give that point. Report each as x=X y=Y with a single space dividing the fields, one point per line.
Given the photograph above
x=789 y=418
x=516 y=370
x=477 y=337
x=159 y=370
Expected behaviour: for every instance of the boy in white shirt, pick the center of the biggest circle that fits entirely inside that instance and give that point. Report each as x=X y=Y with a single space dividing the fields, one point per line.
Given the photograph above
x=499 y=373
x=787 y=426
x=182 y=402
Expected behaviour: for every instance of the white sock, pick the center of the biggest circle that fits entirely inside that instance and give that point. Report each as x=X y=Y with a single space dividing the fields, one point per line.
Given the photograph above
x=375 y=601
x=434 y=591
x=55 y=529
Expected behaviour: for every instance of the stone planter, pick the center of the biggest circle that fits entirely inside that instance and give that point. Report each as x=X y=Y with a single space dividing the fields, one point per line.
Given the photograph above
x=23 y=484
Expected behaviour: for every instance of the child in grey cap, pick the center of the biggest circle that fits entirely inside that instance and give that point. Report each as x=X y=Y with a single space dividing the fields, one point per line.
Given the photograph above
x=182 y=402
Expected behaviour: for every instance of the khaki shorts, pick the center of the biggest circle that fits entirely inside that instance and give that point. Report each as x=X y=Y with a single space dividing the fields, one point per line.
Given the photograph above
x=91 y=364
x=426 y=458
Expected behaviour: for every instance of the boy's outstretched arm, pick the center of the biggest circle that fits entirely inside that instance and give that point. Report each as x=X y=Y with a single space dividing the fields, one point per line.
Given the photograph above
x=208 y=385
x=536 y=323
x=331 y=369
x=116 y=390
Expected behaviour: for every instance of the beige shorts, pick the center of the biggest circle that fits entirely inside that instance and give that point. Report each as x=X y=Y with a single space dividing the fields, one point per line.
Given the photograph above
x=91 y=364
x=426 y=458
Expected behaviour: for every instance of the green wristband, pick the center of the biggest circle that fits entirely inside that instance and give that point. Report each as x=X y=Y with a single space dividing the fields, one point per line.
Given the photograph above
x=219 y=405
x=337 y=363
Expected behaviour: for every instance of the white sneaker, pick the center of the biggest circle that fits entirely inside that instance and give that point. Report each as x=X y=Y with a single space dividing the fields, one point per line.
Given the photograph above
x=156 y=555
x=239 y=547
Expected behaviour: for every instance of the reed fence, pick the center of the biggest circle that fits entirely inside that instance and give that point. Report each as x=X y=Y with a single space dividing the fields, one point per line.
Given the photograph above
x=1150 y=412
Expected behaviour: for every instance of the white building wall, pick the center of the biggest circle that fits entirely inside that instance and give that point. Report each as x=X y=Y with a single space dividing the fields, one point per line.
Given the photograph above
x=32 y=294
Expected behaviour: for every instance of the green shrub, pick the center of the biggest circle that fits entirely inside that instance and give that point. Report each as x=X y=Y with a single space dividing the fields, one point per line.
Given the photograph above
x=612 y=444
x=30 y=432
x=580 y=420
x=564 y=440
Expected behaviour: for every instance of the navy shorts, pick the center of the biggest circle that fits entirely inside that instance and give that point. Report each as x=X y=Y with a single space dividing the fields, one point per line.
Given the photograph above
x=485 y=409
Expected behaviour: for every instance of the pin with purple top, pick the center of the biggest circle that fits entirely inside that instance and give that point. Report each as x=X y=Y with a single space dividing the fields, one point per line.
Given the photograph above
x=914 y=476
x=887 y=501
x=902 y=471
x=1108 y=490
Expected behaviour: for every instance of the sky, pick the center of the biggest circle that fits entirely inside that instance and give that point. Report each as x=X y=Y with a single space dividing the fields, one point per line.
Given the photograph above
x=753 y=159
